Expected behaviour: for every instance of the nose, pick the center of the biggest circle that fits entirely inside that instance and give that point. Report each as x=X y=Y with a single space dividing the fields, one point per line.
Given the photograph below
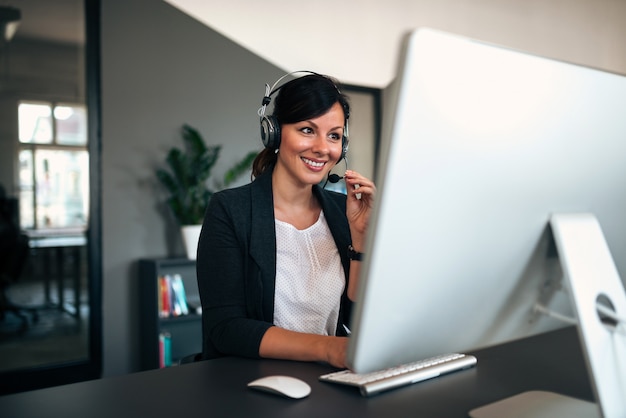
x=320 y=145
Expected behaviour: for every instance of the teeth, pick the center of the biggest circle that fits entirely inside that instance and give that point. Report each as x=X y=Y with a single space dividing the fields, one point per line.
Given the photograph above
x=313 y=163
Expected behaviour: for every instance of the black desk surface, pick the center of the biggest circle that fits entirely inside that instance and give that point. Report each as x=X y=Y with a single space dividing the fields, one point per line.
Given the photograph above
x=217 y=388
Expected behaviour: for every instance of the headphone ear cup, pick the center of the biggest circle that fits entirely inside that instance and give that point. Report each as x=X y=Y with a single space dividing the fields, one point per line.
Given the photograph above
x=270 y=132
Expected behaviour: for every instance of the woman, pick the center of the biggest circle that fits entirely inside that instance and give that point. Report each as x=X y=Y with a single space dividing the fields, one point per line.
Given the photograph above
x=274 y=272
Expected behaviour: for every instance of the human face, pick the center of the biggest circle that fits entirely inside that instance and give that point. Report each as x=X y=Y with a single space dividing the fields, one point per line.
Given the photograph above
x=310 y=149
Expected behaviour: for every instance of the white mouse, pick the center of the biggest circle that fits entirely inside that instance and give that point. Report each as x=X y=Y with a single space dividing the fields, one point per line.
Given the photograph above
x=288 y=386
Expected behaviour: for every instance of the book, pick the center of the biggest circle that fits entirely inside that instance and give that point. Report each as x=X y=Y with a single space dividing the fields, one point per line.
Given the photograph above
x=175 y=308
x=172 y=296
x=178 y=288
x=165 y=349
x=164 y=297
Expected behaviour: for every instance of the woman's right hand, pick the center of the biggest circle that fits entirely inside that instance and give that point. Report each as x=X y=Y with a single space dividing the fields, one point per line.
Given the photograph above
x=280 y=343
x=337 y=350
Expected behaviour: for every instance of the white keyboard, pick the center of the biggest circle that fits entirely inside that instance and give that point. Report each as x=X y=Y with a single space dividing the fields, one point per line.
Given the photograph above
x=405 y=374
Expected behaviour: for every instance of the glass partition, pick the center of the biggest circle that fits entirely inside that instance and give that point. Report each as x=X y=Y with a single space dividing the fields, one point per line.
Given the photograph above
x=50 y=305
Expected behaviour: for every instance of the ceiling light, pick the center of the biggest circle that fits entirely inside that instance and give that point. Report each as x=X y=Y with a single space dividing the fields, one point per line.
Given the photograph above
x=9 y=21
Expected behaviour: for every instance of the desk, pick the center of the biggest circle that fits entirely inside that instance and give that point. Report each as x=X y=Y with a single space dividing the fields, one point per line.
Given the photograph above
x=58 y=245
x=217 y=388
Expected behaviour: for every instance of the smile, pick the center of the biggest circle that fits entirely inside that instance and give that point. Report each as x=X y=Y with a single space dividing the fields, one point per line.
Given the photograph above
x=313 y=163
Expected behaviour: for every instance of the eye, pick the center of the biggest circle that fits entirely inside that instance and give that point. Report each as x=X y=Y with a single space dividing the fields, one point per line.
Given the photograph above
x=306 y=130
x=334 y=136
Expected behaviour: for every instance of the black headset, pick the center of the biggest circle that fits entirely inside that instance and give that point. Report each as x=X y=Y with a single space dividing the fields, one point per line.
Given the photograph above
x=270 y=126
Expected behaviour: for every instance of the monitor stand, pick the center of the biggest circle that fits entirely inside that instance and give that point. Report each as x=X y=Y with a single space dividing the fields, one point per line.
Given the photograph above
x=538 y=404
x=599 y=302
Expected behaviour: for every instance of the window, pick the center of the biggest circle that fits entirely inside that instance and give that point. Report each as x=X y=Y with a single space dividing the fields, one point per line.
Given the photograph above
x=54 y=165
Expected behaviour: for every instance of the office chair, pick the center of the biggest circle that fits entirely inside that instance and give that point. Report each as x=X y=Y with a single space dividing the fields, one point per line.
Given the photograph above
x=191 y=358
x=14 y=252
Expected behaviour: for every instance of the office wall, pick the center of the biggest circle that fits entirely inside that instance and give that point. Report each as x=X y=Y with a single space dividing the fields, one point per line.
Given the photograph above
x=160 y=69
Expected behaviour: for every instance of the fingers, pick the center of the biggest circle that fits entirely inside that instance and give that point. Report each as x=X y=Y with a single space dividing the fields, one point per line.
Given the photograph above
x=358 y=185
x=361 y=192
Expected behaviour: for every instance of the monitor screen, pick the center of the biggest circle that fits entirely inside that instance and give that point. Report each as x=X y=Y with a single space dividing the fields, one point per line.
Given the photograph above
x=481 y=145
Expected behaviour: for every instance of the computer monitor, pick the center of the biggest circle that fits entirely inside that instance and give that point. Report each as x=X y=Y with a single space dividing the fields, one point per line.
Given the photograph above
x=481 y=145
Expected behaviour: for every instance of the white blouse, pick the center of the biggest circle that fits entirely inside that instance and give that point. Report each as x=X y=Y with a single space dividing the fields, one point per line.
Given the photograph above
x=309 y=278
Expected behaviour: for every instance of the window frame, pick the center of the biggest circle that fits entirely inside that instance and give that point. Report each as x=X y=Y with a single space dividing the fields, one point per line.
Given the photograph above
x=33 y=223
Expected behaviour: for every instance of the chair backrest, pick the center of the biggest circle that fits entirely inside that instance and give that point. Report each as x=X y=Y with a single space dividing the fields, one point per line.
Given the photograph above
x=13 y=244
x=191 y=358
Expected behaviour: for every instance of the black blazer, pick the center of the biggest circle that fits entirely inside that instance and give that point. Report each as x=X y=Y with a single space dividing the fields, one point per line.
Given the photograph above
x=236 y=265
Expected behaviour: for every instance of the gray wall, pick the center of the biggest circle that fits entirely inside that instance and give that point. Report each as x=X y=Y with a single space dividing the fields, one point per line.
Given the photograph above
x=160 y=69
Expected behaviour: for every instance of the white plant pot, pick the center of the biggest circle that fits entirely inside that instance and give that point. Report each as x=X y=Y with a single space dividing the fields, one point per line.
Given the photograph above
x=191 y=235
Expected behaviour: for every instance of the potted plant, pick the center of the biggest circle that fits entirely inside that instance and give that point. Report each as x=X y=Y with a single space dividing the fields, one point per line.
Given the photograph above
x=186 y=181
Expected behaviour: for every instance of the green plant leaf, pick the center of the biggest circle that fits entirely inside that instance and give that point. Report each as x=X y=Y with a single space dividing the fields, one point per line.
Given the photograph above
x=187 y=173
x=239 y=168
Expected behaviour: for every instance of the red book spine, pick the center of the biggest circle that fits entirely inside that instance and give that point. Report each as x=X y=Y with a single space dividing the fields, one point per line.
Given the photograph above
x=164 y=298
x=161 y=350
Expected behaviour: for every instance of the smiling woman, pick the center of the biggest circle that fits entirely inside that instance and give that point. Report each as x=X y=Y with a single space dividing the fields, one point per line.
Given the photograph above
x=280 y=243
x=52 y=334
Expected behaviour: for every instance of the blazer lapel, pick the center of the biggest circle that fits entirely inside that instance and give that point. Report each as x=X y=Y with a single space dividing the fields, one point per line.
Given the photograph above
x=263 y=239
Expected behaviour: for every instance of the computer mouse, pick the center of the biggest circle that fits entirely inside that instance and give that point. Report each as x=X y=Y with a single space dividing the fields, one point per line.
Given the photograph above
x=288 y=386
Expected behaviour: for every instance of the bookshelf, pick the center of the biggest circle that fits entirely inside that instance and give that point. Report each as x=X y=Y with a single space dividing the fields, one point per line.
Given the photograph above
x=183 y=331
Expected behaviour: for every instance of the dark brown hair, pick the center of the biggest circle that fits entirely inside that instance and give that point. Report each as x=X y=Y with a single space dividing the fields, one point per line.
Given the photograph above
x=301 y=99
